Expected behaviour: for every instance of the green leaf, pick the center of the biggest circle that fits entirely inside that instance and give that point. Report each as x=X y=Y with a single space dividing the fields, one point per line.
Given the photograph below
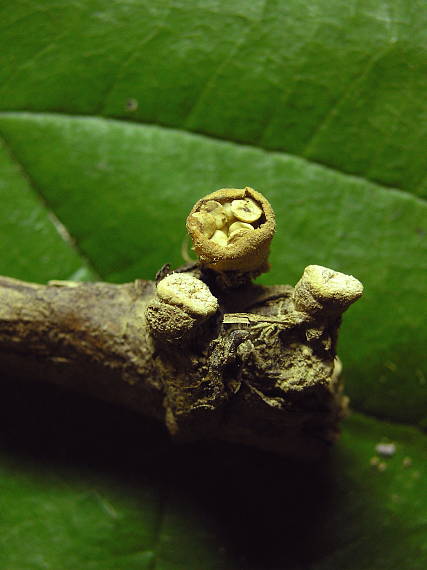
x=341 y=84
x=87 y=485
x=337 y=90
x=34 y=244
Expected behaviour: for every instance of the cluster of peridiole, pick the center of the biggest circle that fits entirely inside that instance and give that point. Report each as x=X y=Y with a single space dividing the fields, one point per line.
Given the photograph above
x=224 y=223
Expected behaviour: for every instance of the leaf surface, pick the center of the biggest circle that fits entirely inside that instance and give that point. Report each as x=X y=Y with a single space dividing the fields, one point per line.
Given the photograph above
x=340 y=84
x=293 y=99
x=34 y=244
x=91 y=486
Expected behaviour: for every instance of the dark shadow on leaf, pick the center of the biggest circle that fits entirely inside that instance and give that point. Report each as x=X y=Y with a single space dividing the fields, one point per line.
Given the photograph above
x=259 y=511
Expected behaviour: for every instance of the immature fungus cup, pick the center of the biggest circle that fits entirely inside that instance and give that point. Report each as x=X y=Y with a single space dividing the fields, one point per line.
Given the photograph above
x=323 y=290
x=231 y=230
x=188 y=293
x=183 y=302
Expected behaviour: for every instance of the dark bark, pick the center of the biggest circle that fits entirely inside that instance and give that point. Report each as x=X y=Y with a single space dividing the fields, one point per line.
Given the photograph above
x=258 y=372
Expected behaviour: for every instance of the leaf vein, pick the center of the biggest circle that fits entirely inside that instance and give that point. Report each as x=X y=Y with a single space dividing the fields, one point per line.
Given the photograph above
x=54 y=219
x=141 y=124
x=347 y=92
x=129 y=58
x=223 y=64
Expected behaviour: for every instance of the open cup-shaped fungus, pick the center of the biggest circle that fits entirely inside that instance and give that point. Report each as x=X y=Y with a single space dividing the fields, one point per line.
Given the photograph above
x=231 y=230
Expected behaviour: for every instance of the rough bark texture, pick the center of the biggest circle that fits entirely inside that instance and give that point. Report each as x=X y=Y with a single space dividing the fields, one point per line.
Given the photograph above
x=258 y=372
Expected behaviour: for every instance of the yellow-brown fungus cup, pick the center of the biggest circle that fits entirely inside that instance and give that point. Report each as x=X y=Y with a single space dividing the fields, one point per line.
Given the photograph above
x=231 y=230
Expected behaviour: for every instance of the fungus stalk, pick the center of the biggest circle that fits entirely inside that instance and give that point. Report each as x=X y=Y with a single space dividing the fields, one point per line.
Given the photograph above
x=203 y=349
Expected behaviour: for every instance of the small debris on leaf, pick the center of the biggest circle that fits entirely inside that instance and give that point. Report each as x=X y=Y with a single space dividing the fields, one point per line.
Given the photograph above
x=407 y=462
x=385 y=449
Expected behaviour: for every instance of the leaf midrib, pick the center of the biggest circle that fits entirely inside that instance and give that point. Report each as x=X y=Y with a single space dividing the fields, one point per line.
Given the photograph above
x=210 y=137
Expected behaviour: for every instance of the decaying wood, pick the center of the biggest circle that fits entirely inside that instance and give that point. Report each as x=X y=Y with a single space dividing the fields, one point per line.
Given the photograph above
x=203 y=349
x=259 y=372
